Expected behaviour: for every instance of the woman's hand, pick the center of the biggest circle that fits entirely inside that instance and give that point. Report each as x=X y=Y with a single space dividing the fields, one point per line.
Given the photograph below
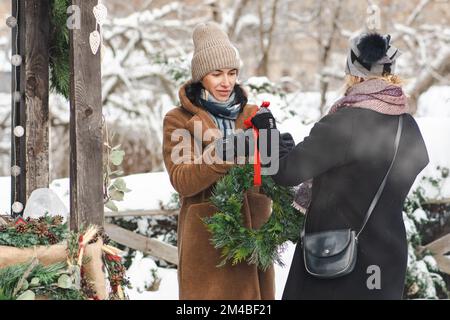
x=235 y=145
x=286 y=141
x=264 y=119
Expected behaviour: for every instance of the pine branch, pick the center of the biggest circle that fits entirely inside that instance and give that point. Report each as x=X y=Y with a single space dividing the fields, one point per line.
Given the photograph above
x=25 y=275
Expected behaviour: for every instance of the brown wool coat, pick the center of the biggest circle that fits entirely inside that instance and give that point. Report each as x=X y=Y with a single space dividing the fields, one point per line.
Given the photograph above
x=198 y=274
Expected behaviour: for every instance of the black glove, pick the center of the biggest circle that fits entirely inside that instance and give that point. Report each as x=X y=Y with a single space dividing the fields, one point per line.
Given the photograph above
x=235 y=145
x=287 y=143
x=264 y=120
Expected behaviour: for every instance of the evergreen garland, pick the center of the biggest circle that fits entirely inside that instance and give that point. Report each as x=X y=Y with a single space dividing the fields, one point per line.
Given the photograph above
x=238 y=243
x=44 y=231
x=59 y=48
x=36 y=279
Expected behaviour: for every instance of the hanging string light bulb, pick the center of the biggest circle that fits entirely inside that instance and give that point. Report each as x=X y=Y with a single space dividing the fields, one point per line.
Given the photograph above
x=16 y=60
x=15 y=171
x=16 y=96
x=19 y=131
x=11 y=22
x=17 y=207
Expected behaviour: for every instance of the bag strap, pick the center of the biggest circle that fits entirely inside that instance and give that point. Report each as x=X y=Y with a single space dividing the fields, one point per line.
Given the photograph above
x=382 y=185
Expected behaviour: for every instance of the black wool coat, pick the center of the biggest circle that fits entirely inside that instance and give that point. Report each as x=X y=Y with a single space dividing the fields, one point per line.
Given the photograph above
x=348 y=154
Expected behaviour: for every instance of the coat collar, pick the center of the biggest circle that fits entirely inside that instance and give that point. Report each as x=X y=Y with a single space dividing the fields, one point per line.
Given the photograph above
x=200 y=114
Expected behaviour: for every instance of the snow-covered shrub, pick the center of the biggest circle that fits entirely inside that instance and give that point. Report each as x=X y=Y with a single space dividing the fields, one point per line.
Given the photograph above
x=423 y=278
x=143 y=274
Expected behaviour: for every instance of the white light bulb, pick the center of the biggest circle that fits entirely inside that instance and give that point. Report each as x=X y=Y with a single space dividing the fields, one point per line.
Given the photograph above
x=16 y=60
x=19 y=131
x=17 y=96
x=11 y=22
x=15 y=171
x=17 y=207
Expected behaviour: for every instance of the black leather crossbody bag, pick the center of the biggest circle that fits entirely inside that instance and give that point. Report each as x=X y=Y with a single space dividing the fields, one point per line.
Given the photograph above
x=332 y=254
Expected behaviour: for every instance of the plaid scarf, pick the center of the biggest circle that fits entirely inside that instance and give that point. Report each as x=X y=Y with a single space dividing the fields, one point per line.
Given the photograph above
x=372 y=94
x=224 y=113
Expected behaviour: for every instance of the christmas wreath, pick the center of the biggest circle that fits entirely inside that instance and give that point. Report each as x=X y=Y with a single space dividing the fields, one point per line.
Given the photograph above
x=261 y=247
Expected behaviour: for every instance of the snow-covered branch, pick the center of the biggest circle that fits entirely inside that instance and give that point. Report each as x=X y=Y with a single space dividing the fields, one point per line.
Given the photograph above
x=428 y=76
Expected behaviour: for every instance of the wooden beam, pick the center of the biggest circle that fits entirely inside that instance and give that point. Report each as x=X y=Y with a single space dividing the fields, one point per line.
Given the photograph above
x=141 y=213
x=86 y=139
x=37 y=20
x=439 y=248
x=440 y=201
x=153 y=247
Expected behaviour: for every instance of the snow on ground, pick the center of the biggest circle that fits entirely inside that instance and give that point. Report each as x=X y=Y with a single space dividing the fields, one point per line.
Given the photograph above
x=141 y=278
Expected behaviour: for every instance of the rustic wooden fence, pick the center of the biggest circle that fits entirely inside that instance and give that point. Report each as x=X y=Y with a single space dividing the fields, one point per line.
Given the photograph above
x=441 y=252
x=150 y=246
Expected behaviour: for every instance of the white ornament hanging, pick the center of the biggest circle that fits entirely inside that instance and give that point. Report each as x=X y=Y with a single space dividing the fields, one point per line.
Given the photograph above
x=94 y=41
x=19 y=131
x=17 y=207
x=100 y=13
x=16 y=60
x=17 y=96
x=15 y=171
x=11 y=22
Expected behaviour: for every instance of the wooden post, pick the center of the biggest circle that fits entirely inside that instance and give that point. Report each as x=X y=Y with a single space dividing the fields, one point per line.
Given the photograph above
x=86 y=140
x=30 y=152
x=37 y=19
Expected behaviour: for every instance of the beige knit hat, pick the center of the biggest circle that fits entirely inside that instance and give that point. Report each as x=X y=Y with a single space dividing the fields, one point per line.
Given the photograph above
x=212 y=51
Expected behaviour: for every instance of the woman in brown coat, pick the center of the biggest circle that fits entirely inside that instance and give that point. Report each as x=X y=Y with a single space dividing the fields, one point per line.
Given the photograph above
x=212 y=106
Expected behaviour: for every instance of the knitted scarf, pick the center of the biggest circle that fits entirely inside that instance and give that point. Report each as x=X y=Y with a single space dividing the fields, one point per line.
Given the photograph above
x=372 y=94
x=224 y=113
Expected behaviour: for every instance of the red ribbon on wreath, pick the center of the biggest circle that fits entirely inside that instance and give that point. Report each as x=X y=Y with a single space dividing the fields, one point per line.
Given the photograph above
x=257 y=181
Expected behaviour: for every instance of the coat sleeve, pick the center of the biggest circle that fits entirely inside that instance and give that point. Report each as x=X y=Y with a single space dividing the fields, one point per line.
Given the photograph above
x=191 y=176
x=326 y=147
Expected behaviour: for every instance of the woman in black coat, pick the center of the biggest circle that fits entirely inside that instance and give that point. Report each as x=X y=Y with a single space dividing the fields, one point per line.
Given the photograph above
x=347 y=154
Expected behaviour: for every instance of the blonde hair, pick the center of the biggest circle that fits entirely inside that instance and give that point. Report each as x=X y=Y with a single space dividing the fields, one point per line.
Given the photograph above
x=351 y=80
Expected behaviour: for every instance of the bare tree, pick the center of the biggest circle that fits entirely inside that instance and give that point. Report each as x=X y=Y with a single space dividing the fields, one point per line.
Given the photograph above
x=266 y=32
x=325 y=47
x=429 y=75
x=429 y=47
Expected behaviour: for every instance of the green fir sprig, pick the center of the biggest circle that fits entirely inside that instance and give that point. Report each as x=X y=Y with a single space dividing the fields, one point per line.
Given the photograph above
x=59 y=48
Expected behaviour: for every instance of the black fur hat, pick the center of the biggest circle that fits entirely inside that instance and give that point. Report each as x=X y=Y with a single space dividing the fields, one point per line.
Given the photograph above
x=372 y=47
